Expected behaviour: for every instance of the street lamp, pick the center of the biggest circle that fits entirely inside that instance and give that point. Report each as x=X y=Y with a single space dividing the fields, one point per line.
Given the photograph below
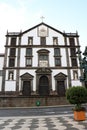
x=83 y=65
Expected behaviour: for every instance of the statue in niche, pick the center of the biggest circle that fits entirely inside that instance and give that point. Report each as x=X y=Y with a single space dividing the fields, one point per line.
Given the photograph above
x=11 y=76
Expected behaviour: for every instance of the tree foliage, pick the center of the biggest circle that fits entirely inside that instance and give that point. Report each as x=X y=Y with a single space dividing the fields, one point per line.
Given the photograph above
x=77 y=95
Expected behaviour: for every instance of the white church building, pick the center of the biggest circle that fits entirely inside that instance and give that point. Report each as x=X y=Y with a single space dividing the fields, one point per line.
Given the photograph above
x=39 y=61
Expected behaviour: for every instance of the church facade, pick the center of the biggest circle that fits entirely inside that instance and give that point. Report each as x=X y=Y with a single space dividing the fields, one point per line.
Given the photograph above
x=40 y=61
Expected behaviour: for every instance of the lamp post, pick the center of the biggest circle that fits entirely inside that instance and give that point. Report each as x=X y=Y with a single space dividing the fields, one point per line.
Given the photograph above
x=83 y=65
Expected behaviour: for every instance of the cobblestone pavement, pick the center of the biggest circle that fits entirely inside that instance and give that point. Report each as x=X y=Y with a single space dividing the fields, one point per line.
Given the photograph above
x=56 y=122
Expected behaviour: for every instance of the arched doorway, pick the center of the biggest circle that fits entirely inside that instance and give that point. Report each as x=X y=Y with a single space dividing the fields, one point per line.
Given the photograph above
x=26 y=88
x=43 y=86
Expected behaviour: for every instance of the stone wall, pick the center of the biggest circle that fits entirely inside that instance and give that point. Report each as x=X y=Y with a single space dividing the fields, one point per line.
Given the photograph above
x=32 y=101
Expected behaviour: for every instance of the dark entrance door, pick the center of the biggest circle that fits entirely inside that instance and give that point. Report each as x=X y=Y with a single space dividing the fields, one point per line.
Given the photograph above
x=44 y=86
x=26 y=88
x=61 y=88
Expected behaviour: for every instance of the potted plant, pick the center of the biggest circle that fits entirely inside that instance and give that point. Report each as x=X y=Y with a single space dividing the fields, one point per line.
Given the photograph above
x=77 y=95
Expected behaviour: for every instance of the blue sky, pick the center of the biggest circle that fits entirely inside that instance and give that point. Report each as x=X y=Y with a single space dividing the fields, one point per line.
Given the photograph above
x=64 y=15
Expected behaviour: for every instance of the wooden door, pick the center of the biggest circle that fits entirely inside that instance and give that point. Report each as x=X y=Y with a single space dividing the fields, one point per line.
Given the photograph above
x=26 y=88
x=44 y=86
x=61 y=88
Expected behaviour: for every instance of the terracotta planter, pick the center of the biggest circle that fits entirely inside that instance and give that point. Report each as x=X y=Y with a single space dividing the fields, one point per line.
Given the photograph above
x=79 y=115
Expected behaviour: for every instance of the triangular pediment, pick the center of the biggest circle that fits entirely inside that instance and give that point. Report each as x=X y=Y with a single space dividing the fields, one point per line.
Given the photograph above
x=60 y=76
x=42 y=24
x=26 y=76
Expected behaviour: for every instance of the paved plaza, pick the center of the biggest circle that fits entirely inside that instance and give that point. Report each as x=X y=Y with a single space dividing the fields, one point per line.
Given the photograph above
x=55 y=122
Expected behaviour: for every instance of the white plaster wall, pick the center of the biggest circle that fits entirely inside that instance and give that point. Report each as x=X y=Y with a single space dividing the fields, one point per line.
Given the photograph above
x=52 y=34
x=63 y=57
x=22 y=57
x=1 y=62
x=35 y=57
x=1 y=68
x=0 y=83
x=36 y=40
x=8 y=72
x=10 y=86
x=68 y=41
x=7 y=58
x=9 y=40
x=32 y=33
x=15 y=74
x=51 y=57
x=76 y=83
x=69 y=57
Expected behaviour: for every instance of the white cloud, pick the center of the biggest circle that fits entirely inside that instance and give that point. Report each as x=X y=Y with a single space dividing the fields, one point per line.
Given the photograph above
x=15 y=18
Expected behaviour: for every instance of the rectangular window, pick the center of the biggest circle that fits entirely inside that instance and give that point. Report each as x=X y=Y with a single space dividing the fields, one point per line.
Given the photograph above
x=72 y=41
x=57 y=62
x=29 y=52
x=74 y=61
x=30 y=40
x=13 y=41
x=43 y=40
x=12 y=51
x=10 y=75
x=11 y=62
x=55 y=41
x=56 y=51
x=43 y=57
x=73 y=51
x=43 y=60
x=28 y=61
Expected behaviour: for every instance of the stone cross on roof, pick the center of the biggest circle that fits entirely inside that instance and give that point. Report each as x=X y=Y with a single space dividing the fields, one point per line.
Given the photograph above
x=42 y=18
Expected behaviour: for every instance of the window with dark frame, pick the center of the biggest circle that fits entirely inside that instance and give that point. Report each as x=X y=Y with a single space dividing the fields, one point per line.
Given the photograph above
x=28 y=61
x=57 y=62
x=73 y=51
x=29 y=52
x=43 y=40
x=12 y=51
x=13 y=41
x=74 y=61
x=43 y=59
x=72 y=41
x=57 y=56
x=28 y=56
x=11 y=62
x=56 y=51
